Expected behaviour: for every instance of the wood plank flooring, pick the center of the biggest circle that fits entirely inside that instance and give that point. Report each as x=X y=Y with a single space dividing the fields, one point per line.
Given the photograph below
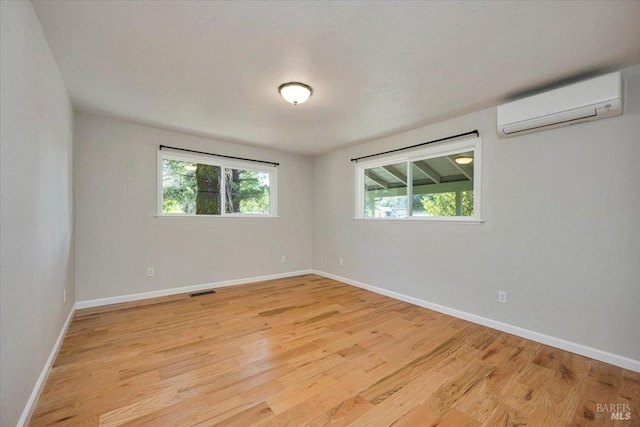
x=312 y=351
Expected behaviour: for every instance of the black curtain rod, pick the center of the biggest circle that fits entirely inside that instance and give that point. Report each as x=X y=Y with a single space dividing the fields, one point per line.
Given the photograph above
x=473 y=132
x=221 y=155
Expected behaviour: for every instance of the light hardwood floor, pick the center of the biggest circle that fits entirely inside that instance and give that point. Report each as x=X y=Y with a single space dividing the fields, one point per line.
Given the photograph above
x=312 y=351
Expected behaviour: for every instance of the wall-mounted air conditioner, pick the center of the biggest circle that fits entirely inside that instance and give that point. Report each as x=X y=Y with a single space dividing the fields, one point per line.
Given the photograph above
x=581 y=102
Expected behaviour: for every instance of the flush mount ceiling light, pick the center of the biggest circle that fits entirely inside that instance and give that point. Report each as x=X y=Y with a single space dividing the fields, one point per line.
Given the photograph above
x=295 y=93
x=463 y=160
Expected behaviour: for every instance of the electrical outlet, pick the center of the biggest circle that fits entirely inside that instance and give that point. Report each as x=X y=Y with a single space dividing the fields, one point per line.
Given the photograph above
x=150 y=271
x=341 y=261
x=502 y=297
x=283 y=259
x=64 y=296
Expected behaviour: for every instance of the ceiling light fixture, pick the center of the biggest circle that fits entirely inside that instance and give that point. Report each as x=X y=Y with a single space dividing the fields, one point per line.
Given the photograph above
x=295 y=93
x=463 y=160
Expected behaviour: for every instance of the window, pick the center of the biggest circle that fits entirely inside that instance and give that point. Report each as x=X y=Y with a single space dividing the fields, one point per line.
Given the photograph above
x=193 y=185
x=437 y=183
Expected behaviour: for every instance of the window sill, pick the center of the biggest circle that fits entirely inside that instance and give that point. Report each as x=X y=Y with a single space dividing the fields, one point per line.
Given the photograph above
x=215 y=216
x=425 y=220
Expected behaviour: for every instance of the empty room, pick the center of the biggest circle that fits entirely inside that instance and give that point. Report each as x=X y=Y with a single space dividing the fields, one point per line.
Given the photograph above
x=297 y=213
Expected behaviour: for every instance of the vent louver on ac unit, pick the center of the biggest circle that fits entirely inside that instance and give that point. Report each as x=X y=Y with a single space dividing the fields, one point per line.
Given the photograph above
x=590 y=100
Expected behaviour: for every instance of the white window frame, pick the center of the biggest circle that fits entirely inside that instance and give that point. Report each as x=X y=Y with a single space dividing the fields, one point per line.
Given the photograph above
x=437 y=150
x=223 y=164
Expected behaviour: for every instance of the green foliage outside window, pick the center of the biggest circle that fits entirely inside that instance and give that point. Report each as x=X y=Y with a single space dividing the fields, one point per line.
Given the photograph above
x=179 y=187
x=194 y=188
x=444 y=204
x=247 y=191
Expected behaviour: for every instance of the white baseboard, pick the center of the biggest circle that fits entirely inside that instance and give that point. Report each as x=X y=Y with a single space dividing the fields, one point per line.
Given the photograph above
x=37 y=388
x=182 y=290
x=594 y=353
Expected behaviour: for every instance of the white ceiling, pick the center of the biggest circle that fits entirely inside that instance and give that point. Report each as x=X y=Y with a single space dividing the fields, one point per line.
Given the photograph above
x=377 y=68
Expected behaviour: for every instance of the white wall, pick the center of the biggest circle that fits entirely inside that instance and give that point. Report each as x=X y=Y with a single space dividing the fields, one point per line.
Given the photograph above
x=561 y=231
x=119 y=236
x=36 y=206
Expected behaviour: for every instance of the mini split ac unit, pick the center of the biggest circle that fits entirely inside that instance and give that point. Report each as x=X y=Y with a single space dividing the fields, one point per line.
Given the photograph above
x=581 y=102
